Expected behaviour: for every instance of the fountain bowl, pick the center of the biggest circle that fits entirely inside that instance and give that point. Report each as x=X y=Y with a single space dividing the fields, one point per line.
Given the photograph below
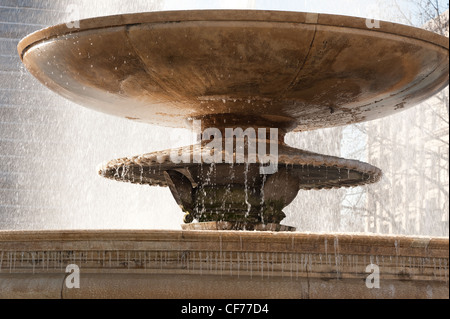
x=292 y=70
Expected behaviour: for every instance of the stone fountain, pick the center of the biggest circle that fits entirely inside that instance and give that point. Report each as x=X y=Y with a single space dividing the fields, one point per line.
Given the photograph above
x=242 y=80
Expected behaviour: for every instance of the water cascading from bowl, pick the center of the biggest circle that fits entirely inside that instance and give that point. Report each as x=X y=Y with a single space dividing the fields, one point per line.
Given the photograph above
x=249 y=71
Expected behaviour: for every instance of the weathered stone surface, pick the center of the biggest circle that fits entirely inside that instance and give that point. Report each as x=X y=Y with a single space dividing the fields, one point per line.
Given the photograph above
x=31 y=286
x=315 y=171
x=298 y=71
x=220 y=264
x=239 y=193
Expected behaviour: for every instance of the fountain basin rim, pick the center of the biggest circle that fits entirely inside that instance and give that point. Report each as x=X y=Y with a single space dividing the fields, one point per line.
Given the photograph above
x=362 y=244
x=418 y=241
x=180 y=264
x=230 y=15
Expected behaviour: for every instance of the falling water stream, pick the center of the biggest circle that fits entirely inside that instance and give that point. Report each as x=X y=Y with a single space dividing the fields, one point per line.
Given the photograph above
x=50 y=148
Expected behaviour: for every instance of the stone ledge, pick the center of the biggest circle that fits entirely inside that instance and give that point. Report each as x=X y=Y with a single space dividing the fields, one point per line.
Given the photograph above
x=246 y=264
x=134 y=286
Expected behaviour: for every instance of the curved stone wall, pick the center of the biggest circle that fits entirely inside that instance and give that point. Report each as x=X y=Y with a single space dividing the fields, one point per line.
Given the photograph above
x=221 y=264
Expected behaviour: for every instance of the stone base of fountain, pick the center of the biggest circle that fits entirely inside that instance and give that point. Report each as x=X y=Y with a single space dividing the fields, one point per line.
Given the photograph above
x=221 y=264
x=224 y=225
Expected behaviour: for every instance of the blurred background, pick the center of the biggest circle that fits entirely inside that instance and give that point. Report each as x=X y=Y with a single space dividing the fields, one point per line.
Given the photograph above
x=50 y=147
